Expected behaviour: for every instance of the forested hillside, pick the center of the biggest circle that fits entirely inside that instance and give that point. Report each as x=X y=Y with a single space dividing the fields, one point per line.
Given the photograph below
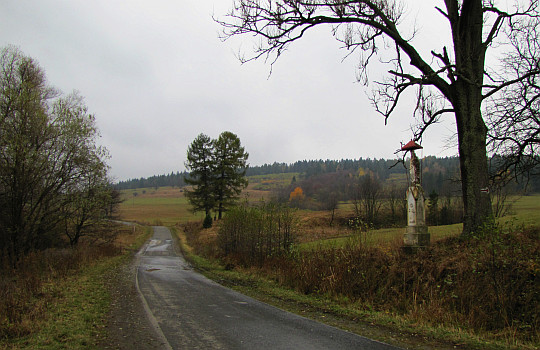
x=438 y=174
x=172 y=179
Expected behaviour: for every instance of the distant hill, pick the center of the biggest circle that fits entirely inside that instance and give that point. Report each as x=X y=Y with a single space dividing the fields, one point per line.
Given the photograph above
x=172 y=179
x=436 y=172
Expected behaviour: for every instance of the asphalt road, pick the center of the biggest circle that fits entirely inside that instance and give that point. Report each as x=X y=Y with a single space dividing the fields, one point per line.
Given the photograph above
x=190 y=311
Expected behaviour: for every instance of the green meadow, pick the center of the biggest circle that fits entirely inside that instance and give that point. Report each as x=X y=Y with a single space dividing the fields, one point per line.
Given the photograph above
x=524 y=210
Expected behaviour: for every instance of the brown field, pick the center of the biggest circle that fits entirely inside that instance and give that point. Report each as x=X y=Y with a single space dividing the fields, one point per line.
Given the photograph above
x=162 y=206
x=168 y=205
x=59 y=298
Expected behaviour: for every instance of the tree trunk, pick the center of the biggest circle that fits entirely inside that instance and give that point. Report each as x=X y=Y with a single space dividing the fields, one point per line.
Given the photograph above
x=472 y=133
x=466 y=98
x=220 y=210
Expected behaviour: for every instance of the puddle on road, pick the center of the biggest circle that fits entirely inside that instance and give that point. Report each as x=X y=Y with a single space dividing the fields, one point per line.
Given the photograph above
x=159 y=247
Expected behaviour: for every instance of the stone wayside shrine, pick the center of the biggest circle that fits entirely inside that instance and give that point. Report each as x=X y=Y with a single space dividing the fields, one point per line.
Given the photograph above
x=416 y=236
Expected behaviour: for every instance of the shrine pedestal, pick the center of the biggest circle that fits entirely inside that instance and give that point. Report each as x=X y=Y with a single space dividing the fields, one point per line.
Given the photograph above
x=416 y=236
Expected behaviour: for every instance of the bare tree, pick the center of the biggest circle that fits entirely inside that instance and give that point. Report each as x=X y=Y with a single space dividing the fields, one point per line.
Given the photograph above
x=395 y=196
x=329 y=200
x=514 y=114
x=367 y=198
x=453 y=80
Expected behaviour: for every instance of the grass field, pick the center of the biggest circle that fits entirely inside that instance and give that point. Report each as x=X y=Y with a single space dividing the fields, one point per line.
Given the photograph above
x=162 y=206
x=525 y=210
x=382 y=236
x=168 y=206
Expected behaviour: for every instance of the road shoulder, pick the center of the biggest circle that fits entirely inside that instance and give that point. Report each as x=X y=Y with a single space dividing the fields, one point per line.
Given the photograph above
x=127 y=324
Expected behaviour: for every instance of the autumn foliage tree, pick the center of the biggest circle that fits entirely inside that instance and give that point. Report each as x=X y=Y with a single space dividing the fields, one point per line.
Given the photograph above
x=296 y=197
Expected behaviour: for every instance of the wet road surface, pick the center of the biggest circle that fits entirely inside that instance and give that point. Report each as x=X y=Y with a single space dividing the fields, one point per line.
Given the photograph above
x=190 y=311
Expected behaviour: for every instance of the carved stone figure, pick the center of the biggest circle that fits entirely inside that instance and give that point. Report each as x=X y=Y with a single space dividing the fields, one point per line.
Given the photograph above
x=414 y=169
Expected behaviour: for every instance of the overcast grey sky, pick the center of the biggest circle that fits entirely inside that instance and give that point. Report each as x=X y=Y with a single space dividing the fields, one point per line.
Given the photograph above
x=155 y=74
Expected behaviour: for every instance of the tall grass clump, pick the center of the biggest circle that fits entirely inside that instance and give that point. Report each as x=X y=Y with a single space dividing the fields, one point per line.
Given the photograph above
x=251 y=234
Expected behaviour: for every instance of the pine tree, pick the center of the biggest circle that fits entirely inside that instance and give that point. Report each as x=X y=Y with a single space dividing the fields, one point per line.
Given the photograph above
x=230 y=160
x=200 y=164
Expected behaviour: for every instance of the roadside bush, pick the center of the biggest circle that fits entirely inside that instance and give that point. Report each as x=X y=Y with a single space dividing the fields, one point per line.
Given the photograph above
x=487 y=283
x=201 y=240
x=250 y=235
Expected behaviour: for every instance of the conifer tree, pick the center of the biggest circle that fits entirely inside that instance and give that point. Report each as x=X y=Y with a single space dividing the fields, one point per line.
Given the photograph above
x=217 y=172
x=230 y=160
x=200 y=164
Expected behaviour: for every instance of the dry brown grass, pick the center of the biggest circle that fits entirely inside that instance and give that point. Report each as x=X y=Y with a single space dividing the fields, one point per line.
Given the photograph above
x=487 y=284
x=200 y=241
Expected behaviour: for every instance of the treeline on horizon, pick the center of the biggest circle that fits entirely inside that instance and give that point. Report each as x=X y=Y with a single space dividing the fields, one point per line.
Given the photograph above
x=436 y=173
x=307 y=168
